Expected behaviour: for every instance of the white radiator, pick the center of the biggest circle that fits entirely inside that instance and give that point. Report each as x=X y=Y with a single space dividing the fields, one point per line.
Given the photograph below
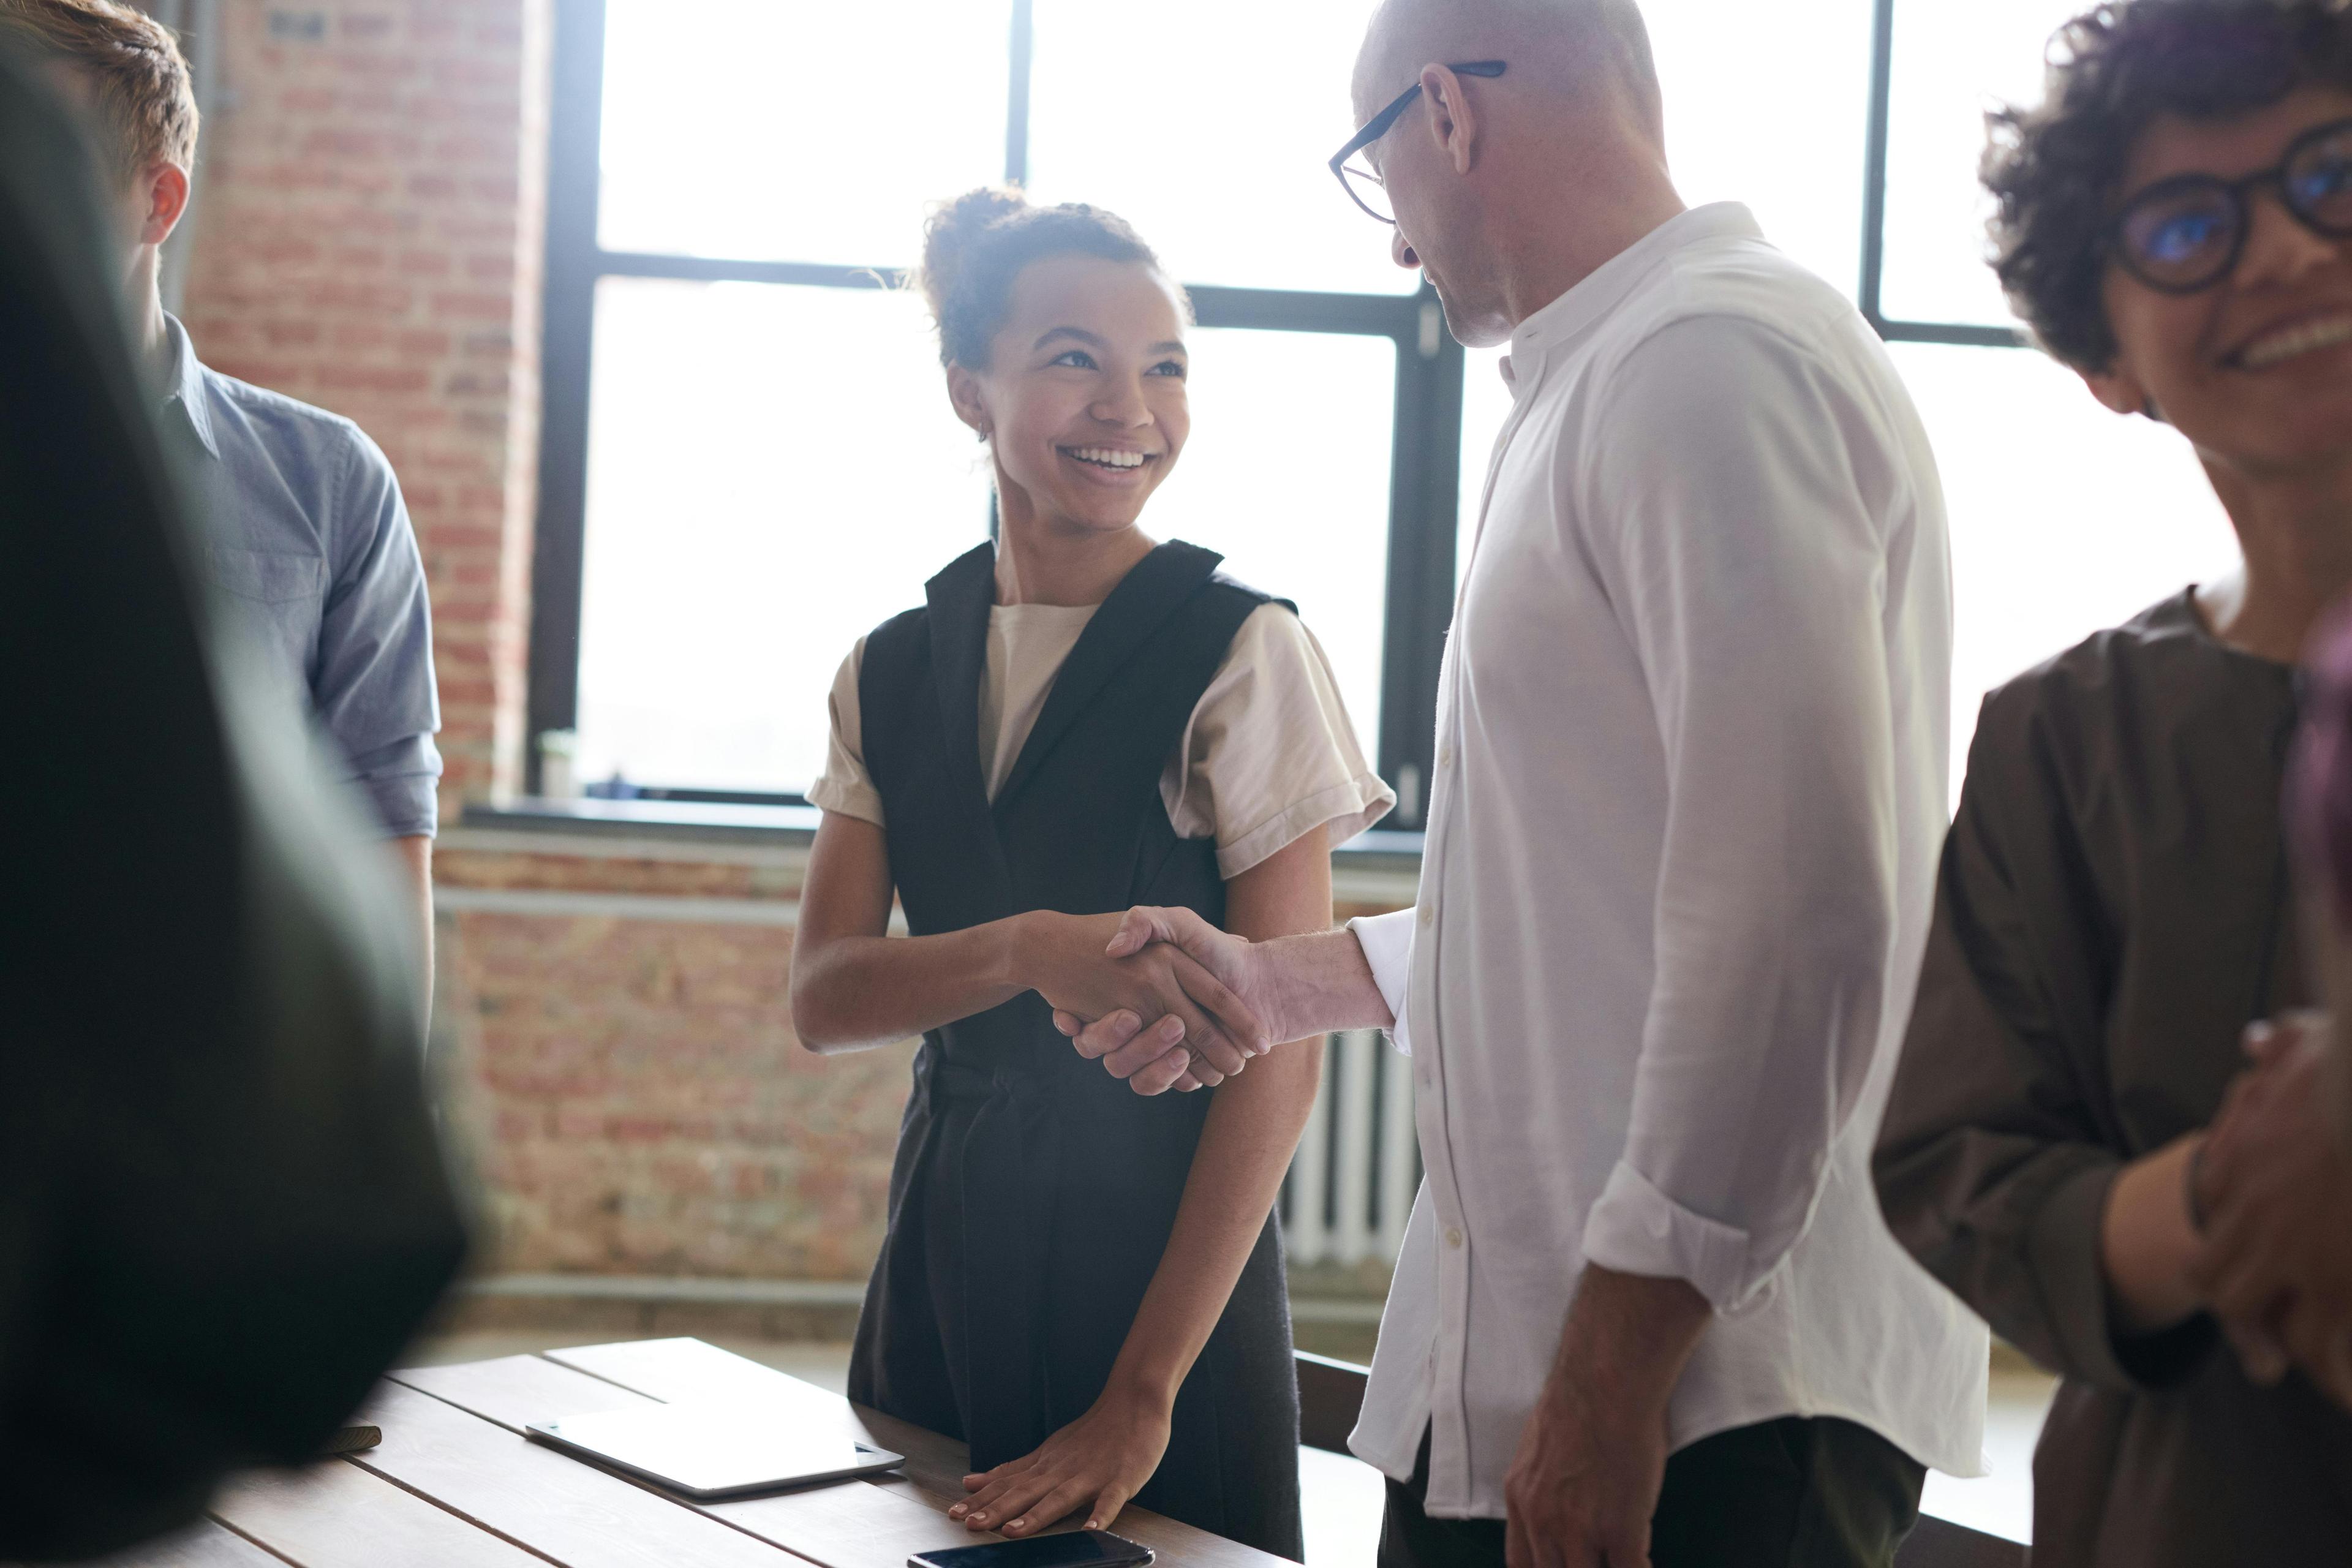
x=1351 y=1183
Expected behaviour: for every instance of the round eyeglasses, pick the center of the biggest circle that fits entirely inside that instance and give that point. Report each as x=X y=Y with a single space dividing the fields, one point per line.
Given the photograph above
x=1363 y=186
x=2187 y=234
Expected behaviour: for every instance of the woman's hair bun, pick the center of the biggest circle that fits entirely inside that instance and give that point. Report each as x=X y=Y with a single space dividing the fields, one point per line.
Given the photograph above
x=975 y=246
x=948 y=237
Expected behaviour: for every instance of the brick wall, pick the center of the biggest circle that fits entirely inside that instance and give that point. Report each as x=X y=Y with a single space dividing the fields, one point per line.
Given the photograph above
x=369 y=236
x=618 y=1030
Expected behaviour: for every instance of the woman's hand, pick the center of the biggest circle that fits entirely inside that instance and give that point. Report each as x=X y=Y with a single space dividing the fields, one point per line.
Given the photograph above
x=1063 y=959
x=1096 y=1462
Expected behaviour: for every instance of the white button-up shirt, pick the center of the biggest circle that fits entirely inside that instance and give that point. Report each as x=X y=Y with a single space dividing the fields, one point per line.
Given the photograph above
x=1692 y=737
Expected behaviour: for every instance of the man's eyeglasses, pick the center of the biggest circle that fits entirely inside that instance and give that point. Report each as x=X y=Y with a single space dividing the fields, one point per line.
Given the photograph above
x=2186 y=234
x=1363 y=186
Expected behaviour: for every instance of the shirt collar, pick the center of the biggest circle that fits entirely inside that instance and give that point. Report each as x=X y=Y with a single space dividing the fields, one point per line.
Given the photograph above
x=1565 y=319
x=184 y=383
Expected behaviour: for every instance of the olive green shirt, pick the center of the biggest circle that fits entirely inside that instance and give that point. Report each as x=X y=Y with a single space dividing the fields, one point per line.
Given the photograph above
x=2113 y=910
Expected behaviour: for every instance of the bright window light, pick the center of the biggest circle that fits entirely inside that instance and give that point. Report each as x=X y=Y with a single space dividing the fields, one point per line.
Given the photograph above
x=1286 y=476
x=1952 y=64
x=1207 y=128
x=794 y=131
x=2065 y=518
x=1767 y=104
x=772 y=473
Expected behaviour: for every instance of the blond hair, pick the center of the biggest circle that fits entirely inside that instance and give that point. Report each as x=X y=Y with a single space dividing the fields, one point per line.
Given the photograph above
x=144 y=97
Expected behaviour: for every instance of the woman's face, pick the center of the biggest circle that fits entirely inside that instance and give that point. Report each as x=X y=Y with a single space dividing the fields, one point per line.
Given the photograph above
x=1084 y=394
x=2257 y=370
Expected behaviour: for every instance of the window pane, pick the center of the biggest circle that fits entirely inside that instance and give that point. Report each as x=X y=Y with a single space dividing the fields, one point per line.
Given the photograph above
x=2065 y=518
x=1769 y=104
x=1952 y=63
x=1209 y=127
x=797 y=133
x=1288 y=475
x=771 y=472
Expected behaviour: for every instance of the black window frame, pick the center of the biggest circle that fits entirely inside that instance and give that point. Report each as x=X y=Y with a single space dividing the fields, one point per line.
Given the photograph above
x=1425 y=473
x=1876 y=153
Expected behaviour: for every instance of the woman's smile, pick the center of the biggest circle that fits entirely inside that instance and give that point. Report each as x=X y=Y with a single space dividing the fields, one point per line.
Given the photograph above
x=1117 y=467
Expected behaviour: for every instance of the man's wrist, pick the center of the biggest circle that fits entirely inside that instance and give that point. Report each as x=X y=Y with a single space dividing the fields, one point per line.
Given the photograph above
x=1628 y=1338
x=1311 y=985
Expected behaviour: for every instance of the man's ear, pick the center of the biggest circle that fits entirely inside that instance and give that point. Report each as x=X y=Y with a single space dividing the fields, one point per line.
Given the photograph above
x=1451 y=120
x=167 y=202
x=963 y=395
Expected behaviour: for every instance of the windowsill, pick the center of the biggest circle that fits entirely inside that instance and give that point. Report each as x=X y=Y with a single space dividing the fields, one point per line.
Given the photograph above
x=795 y=827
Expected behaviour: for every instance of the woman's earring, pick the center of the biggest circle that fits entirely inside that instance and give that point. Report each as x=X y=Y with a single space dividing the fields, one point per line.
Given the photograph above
x=983 y=433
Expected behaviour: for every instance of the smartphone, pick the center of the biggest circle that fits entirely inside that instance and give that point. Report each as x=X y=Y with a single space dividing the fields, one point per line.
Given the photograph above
x=1074 y=1549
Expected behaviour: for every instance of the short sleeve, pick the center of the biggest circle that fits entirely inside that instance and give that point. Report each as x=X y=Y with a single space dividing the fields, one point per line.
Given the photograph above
x=1270 y=754
x=845 y=787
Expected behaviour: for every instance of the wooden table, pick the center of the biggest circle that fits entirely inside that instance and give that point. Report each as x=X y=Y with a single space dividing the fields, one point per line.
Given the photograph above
x=455 y=1484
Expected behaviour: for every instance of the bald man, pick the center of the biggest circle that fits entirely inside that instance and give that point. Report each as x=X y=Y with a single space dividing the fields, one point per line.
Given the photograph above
x=1691 y=768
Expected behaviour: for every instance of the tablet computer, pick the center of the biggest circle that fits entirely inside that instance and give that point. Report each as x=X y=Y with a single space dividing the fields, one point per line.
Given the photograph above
x=713 y=1450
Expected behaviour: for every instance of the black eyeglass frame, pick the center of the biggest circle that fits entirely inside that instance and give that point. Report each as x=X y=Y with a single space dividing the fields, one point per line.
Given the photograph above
x=2239 y=192
x=1378 y=127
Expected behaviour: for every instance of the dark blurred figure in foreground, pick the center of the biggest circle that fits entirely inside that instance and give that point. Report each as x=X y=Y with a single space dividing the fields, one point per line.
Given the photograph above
x=222 y=1208
x=302 y=525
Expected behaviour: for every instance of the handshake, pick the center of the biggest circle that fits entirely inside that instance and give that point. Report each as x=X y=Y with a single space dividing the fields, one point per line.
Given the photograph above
x=1160 y=997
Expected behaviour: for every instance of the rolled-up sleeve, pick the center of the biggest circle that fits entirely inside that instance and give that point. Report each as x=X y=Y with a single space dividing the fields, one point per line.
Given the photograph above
x=372 y=681
x=1729 y=525
x=1992 y=1168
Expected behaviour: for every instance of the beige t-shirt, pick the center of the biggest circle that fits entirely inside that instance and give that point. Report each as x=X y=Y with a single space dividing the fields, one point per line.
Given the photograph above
x=1268 y=757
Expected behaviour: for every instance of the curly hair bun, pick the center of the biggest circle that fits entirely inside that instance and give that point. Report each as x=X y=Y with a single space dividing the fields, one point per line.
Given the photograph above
x=976 y=246
x=951 y=231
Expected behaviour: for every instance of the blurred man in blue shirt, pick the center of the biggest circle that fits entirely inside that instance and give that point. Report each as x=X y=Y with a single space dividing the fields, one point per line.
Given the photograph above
x=309 y=541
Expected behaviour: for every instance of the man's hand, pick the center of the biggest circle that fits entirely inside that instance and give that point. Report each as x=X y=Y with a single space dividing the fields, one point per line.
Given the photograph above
x=2276 y=1185
x=1592 y=1456
x=1154 y=1060
x=1088 y=968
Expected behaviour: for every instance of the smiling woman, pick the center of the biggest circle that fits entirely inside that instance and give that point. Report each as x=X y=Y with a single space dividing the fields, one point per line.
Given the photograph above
x=2115 y=907
x=1079 y=719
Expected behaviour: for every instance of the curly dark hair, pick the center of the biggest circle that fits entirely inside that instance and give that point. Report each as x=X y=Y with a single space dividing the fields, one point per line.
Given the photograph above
x=976 y=245
x=2055 y=170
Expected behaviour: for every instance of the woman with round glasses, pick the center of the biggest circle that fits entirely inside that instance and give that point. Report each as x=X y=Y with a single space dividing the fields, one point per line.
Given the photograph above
x=2175 y=222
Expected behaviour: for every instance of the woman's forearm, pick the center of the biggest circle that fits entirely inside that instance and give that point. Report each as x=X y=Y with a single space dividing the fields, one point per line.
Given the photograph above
x=854 y=993
x=2148 y=1241
x=1246 y=1142
x=1252 y=1130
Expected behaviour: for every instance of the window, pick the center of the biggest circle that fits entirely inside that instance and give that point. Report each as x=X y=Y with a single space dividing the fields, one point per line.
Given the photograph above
x=737 y=408
x=2065 y=518
x=749 y=459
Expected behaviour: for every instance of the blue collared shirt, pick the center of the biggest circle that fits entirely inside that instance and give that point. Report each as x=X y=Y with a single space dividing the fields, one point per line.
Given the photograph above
x=312 y=549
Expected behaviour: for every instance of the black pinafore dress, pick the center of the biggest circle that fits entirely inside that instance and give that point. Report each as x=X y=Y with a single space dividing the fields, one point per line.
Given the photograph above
x=1032 y=1193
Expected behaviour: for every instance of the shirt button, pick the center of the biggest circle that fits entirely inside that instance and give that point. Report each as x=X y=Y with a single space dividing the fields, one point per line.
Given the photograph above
x=1429 y=914
x=1453 y=1239
x=1445 y=757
